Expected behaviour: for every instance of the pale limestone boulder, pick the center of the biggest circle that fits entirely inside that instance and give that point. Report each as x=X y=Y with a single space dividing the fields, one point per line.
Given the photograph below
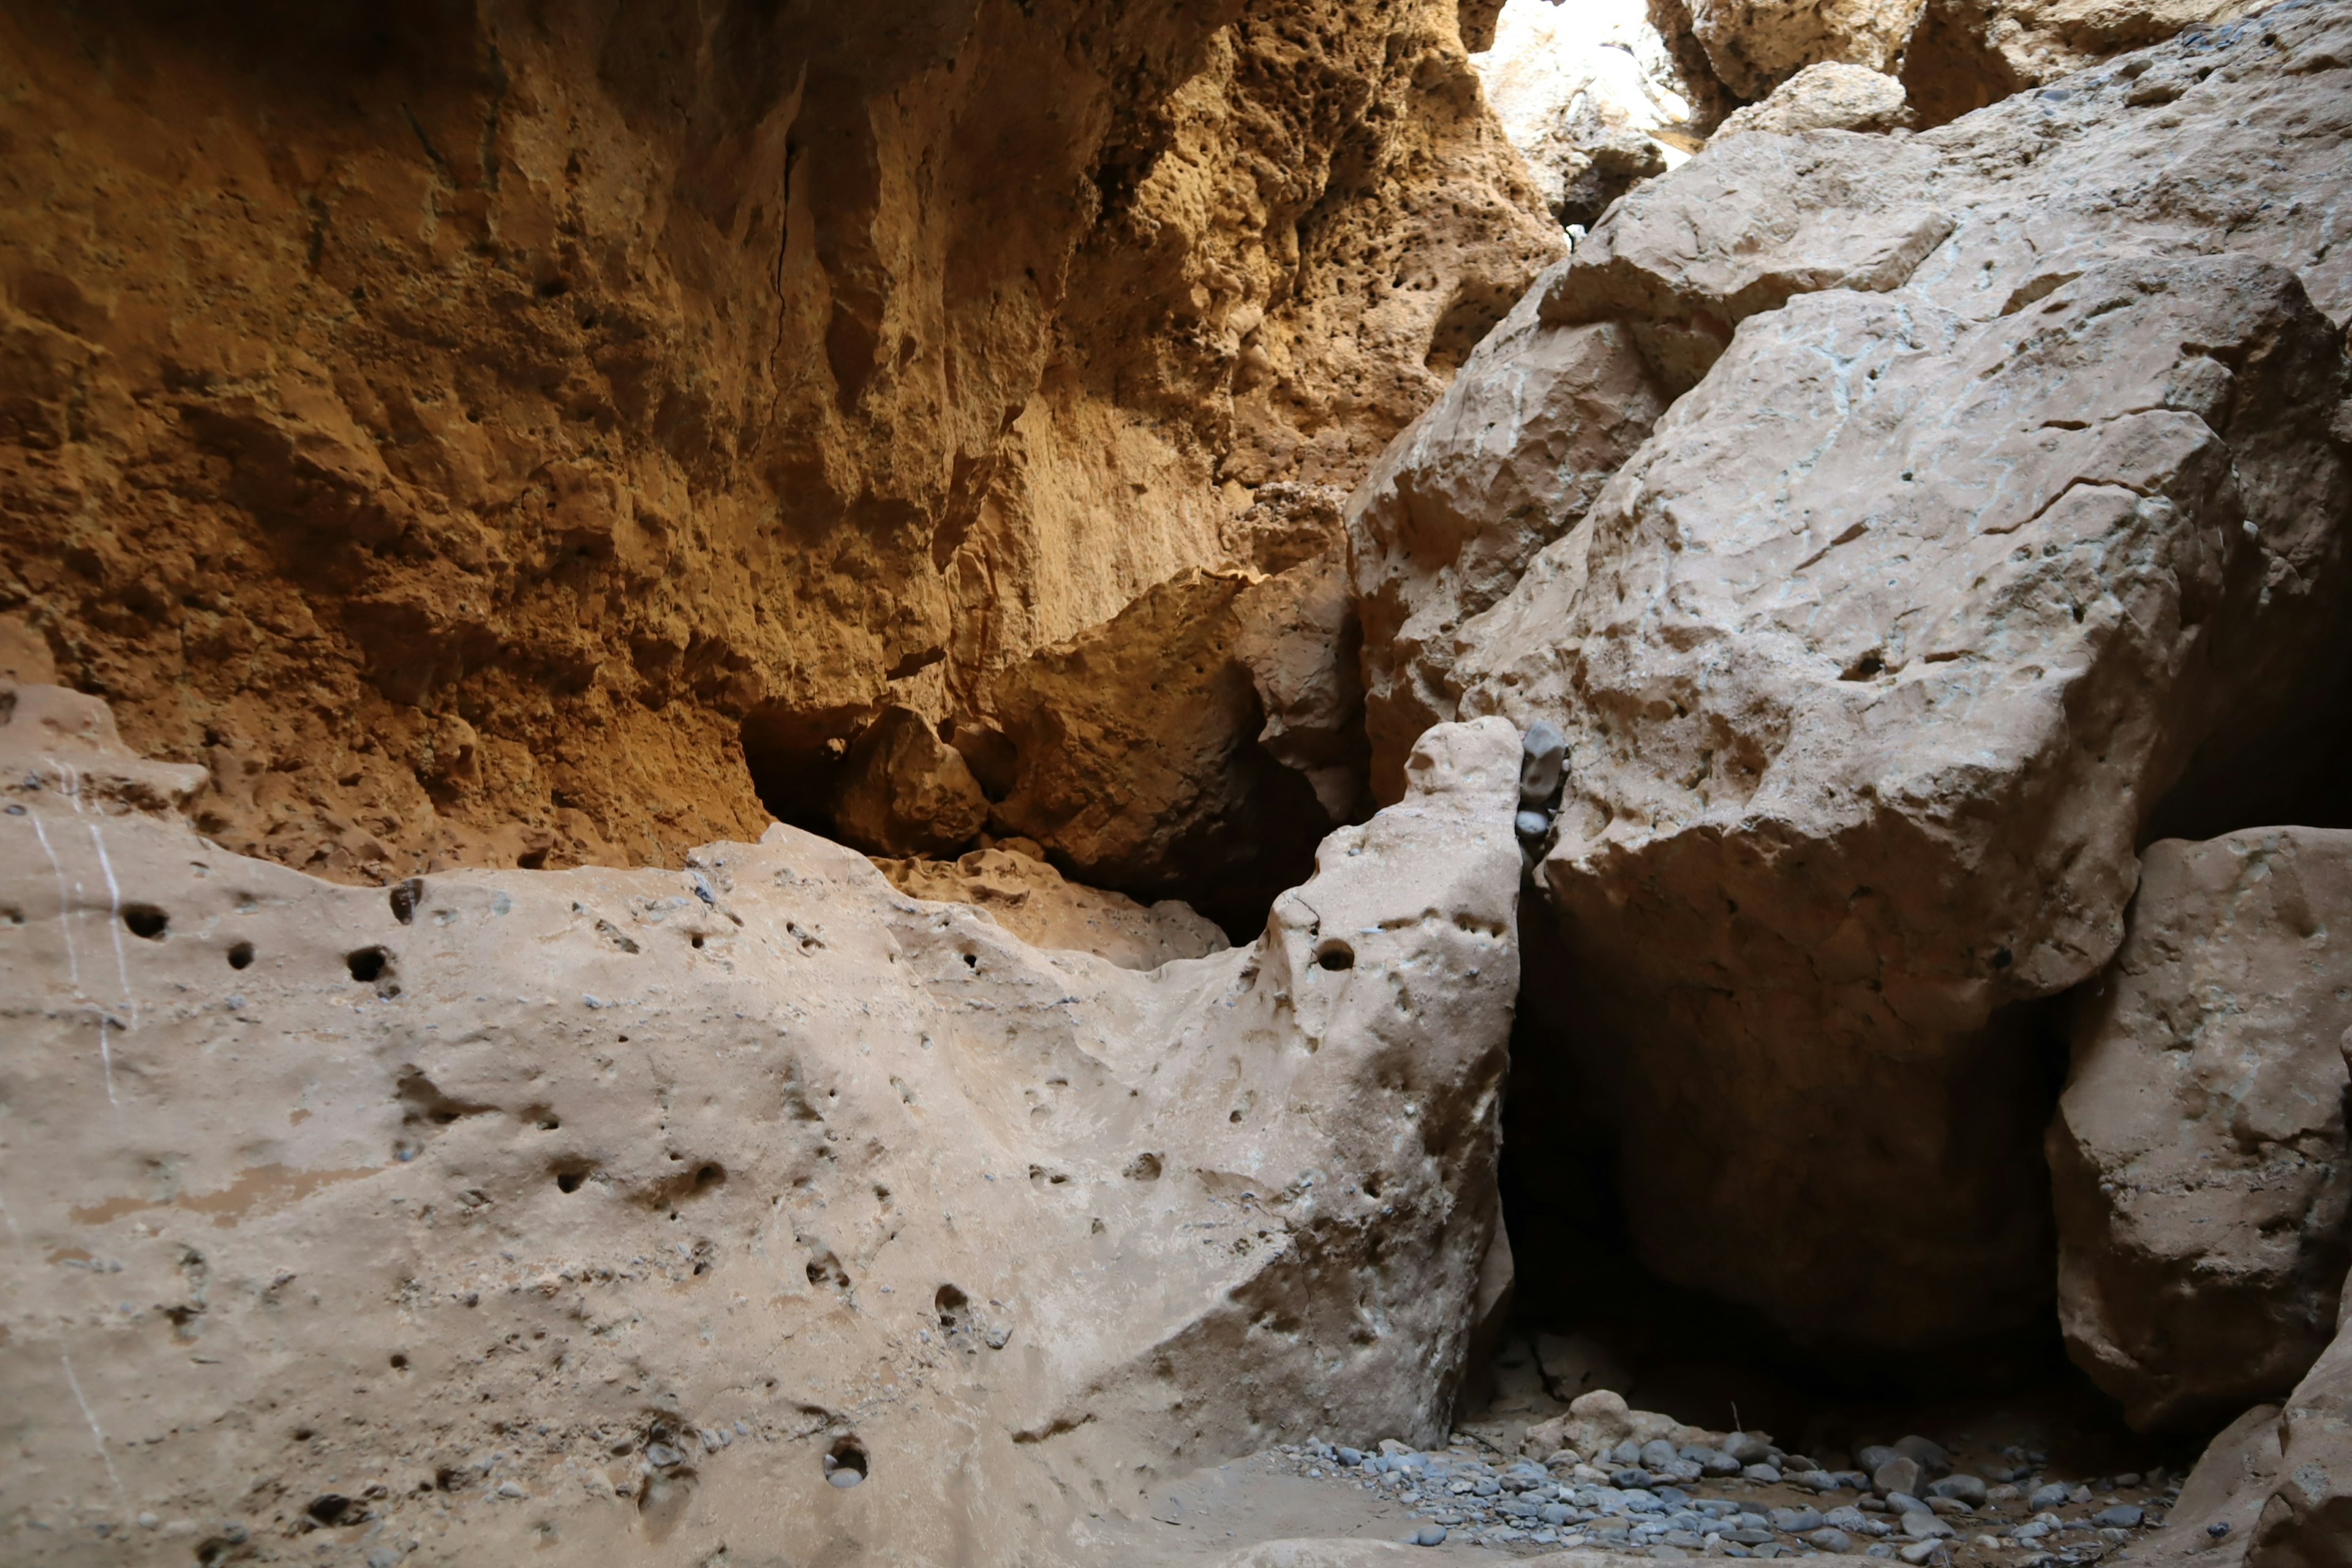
x=1033 y=901
x=2198 y=1156
x=1830 y=95
x=2212 y=1523
x=1871 y=663
x=616 y=1202
x=1966 y=54
x=1501 y=466
x=903 y=791
x=1754 y=46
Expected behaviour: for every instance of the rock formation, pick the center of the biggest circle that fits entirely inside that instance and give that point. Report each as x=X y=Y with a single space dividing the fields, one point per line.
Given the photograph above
x=1831 y=96
x=2201 y=1172
x=493 y=422
x=610 y=1211
x=1875 y=658
x=1028 y=898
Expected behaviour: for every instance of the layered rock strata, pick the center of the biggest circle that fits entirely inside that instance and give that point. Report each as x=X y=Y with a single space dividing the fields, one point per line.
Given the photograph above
x=486 y=424
x=750 y=1208
x=2013 y=482
x=2198 y=1156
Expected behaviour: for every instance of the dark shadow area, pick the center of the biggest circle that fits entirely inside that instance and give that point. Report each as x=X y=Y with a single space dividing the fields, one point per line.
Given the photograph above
x=2293 y=770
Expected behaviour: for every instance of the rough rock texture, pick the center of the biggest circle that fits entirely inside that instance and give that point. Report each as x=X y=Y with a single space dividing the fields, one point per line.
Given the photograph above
x=596 y=1210
x=1302 y=646
x=1501 y=466
x=2018 y=492
x=1966 y=54
x=1831 y=96
x=1754 y=46
x=903 y=791
x=1138 y=763
x=2307 y=1521
x=460 y=432
x=1028 y=898
x=2231 y=1481
x=2199 y=1157
x=1588 y=95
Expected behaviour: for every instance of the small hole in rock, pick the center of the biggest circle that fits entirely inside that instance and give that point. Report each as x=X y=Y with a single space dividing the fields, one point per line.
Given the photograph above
x=569 y=1181
x=368 y=963
x=697 y=942
x=241 y=956
x=846 y=1466
x=399 y=1362
x=329 y=1509
x=1336 y=955
x=950 y=1303
x=971 y=961
x=708 y=1176
x=405 y=896
x=1143 y=1168
x=146 y=921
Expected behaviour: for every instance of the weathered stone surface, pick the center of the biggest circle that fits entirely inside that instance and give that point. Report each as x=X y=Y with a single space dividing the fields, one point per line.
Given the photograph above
x=2202 y=1178
x=1028 y=898
x=1501 y=466
x=1831 y=96
x=615 y=1202
x=1848 y=778
x=2212 y=1524
x=903 y=791
x=562 y=396
x=1138 y=762
x=1301 y=644
x=1754 y=46
x=1966 y=54
x=2307 y=1521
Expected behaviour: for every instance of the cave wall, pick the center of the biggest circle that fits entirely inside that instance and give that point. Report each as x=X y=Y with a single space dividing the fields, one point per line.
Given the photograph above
x=463 y=433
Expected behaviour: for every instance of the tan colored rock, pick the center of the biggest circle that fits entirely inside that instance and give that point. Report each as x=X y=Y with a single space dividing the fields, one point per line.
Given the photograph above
x=1501 y=466
x=1301 y=644
x=1138 y=763
x=2307 y=1521
x=1830 y=95
x=1754 y=46
x=1847 y=773
x=2199 y=1159
x=1966 y=54
x=1028 y=898
x=1786 y=864
x=641 y=396
x=903 y=791
x=2231 y=1481
x=617 y=1202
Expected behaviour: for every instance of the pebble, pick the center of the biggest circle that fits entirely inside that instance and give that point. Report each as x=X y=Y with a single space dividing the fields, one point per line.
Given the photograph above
x=1900 y=1474
x=1930 y=1455
x=2050 y=1496
x=1969 y=1490
x=2122 y=1516
x=1919 y=1551
x=1763 y=1475
x=845 y=1478
x=1925 y=1527
x=1831 y=1538
x=1427 y=1535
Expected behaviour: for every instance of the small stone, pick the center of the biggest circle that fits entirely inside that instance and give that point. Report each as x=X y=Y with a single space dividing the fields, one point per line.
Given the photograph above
x=2122 y=1516
x=1947 y=1505
x=1747 y=1447
x=1531 y=823
x=1900 y=1503
x=150 y=1521
x=2051 y=1496
x=1763 y=1475
x=1427 y=1535
x=1875 y=1455
x=1543 y=757
x=1930 y=1455
x=1830 y=1539
x=1924 y=1526
x=1719 y=1463
x=1900 y=1474
x=2128 y=1478
x=1920 y=1551
x=662 y=1456
x=1816 y=1480
x=845 y=1478
x=1969 y=1490
x=510 y=1489
x=2218 y=1529
x=383 y=1557
x=1795 y=1521
x=1348 y=1457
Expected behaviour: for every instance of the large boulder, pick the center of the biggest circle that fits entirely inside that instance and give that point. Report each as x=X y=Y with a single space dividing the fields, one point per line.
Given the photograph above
x=2199 y=1155
x=1754 y=46
x=1501 y=466
x=903 y=791
x=639 y=1212
x=2013 y=480
x=1831 y=96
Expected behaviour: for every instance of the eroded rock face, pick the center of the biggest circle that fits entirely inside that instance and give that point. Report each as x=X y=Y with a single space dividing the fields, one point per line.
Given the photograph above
x=1966 y=54
x=618 y=1203
x=1754 y=46
x=2306 y=1523
x=1501 y=466
x=566 y=398
x=1848 y=776
x=907 y=792
x=1028 y=898
x=2202 y=1177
